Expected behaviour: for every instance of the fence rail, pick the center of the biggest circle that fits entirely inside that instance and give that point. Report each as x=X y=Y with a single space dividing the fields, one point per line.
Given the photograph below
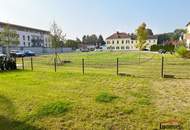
x=144 y=67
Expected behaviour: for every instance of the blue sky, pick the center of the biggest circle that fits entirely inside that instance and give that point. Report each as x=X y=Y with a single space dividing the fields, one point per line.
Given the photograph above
x=79 y=17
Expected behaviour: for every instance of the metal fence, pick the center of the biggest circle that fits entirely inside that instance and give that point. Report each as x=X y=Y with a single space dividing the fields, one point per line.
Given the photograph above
x=165 y=67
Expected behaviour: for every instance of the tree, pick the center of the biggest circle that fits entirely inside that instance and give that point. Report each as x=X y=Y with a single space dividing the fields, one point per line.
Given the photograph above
x=8 y=37
x=141 y=38
x=101 y=40
x=72 y=44
x=57 y=37
x=149 y=31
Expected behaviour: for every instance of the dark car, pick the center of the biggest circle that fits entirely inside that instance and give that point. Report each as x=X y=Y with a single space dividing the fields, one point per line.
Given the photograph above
x=29 y=53
x=17 y=53
x=162 y=51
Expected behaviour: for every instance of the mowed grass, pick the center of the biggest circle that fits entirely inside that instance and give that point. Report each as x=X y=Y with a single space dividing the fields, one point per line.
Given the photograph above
x=43 y=99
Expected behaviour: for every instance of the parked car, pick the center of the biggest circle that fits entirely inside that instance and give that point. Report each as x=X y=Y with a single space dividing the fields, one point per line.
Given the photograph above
x=162 y=51
x=84 y=50
x=29 y=53
x=17 y=53
x=2 y=55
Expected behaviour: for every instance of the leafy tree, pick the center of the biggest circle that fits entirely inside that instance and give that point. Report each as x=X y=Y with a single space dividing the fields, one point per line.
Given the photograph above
x=149 y=31
x=101 y=40
x=72 y=44
x=8 y=37
x=57 y=37
x=141 y=38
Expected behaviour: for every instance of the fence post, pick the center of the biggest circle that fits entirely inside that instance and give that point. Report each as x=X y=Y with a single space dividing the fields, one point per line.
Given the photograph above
x=117 y=66
x=162 y=67
x=32 y=68
x=23 y=63
x=55 y=64
x=83 y=66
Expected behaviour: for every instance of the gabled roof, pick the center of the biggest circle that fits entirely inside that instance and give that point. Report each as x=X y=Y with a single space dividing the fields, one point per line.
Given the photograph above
x=119 y=35
x=123 y=35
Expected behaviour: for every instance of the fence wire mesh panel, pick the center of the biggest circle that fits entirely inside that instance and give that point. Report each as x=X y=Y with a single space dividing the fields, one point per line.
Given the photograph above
x=177 y=67
x=140 y=67
x=105 y=65
x=146 y=65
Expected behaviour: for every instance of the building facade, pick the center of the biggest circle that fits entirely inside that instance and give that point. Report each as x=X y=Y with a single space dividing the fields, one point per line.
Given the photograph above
x=124 y=41
x=187 y=36
x=29 y=37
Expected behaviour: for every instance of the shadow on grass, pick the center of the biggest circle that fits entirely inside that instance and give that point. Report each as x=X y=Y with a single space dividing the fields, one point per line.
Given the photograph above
x=9 y=124
x=7 y=111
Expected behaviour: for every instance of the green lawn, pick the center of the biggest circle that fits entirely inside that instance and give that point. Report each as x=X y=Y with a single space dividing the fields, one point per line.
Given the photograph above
x=100 y=99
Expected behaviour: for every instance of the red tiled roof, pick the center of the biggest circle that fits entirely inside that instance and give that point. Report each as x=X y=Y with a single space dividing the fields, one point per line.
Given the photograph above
x=119 y=35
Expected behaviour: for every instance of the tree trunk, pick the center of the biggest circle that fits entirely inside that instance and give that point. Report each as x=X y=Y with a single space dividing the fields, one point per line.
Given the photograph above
x=139 y=57
x=7 y=51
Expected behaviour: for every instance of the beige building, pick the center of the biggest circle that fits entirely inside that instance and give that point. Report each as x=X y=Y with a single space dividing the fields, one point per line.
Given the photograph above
x=124 y=41
x=187 y=36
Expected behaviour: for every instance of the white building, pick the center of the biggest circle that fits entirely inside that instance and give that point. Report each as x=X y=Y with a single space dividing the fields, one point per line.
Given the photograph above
x=30 y=37
x=187 y=36
x=124 y=41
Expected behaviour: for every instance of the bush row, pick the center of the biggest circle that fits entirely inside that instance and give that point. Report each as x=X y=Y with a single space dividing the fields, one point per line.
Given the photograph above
x=169 y=48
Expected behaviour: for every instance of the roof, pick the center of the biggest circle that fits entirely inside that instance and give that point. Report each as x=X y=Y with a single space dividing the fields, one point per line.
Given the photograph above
x=24 y=27
x=188 y=24
x=119 y=35
x=123 y=35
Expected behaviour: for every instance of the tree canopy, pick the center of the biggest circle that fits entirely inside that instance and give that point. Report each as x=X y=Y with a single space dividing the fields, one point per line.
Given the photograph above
x=57 y=36
x=8 y=37
x=142 y=35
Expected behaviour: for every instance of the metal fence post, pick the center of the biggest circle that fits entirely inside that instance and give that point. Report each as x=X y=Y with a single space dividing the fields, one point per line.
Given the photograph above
x=162 y=67
x=55 y=64
x=23 y=63
x=83 y=66
x=117 y=66
x=32 y=68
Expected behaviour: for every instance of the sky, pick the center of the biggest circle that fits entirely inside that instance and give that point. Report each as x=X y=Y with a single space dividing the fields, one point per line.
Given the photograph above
x=82 y=17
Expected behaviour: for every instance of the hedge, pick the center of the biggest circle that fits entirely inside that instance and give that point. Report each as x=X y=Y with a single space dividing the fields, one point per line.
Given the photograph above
x=169 y=48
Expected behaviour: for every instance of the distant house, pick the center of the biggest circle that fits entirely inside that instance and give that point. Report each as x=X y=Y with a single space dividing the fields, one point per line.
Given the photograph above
x=187 y=36
x=125 y=41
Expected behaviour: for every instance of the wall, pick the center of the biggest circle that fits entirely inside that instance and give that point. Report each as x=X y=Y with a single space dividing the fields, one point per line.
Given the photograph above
x=41 y=50
x=130 y=45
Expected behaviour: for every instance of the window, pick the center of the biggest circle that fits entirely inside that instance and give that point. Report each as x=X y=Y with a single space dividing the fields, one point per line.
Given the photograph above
x=122 y=41
x=117 y=48
x=29 y=44
x=113 y=47
x=24 y=44
x=122 y=47
x=28 y=38
x=112 y=42
x=127 y=47
x=117 y=42
x=23 y=37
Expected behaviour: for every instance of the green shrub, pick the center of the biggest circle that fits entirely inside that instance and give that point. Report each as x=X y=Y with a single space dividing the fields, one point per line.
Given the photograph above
x=54 y=108
x=105 y=97
x=181 y=51
x=169 y=48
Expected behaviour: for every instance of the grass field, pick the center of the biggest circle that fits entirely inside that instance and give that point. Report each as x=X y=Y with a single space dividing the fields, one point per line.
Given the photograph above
x=100 y=99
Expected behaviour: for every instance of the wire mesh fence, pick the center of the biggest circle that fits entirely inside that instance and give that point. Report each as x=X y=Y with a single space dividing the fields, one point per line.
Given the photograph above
x=159 y=66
